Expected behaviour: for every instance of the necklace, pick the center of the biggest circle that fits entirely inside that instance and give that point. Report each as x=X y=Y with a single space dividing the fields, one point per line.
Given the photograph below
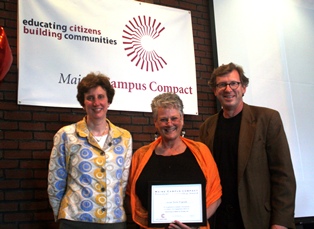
x=100 y=137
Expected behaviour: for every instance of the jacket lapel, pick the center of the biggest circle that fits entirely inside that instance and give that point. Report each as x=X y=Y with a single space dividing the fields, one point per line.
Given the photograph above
x=246 y=137
x=211 y=132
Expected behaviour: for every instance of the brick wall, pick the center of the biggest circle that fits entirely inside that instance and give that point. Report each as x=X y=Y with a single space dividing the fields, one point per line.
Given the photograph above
x=26 y=132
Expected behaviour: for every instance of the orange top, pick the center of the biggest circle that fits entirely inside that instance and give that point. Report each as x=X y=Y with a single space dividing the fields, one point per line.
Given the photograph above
x=205 y=161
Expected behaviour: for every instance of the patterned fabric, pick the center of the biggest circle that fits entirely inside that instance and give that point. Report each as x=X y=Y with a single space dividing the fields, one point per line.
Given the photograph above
x=86 y=182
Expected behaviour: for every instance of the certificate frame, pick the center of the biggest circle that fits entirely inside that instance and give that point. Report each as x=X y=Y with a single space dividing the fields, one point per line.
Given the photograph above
x=159 y=209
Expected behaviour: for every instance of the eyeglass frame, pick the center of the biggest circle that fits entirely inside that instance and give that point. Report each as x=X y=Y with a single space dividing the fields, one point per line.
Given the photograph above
x=233 y=85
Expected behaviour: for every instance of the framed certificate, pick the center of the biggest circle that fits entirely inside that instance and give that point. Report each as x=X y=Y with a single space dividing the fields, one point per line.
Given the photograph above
x=171 y=201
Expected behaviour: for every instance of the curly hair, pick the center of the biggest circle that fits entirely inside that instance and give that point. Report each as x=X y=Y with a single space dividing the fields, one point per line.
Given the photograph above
x=225 y=69
x=166 y=100
x=93 y=80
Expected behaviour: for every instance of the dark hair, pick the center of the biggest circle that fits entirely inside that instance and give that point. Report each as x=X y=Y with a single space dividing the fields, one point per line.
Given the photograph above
x=93 y=80
x=166 y=100
x=225 y=69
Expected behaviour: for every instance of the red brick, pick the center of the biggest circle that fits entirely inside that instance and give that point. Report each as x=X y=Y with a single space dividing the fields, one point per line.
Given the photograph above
x=41 y=154
x=9 y=226
x=39 y=225
x=16 y=154
x=140 y=120
x=33 y=184
x=43 y=215
x=43 y=136
x=18 y=135
x=17 y=115
x=32 y=145
x=18 y=173
x=39 y=116
x=5 y=164
x=32 y=126
x=34 y=164
x=5 y=125
x=8 y=207
x=34 y=205
x=17 y=217
x=19 y=195
x=8 y=105
x=9 y=184
x=41 y=194
x=41 y=174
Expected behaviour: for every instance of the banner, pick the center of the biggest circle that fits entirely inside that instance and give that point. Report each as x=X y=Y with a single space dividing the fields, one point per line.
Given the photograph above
x=144 y=49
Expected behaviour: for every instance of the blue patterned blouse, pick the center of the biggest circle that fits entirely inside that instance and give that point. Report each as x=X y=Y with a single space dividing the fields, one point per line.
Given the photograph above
x=86 y=182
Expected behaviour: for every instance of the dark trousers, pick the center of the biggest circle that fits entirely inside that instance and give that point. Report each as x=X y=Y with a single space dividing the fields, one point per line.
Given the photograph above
x=69 y=224
x=226 y=217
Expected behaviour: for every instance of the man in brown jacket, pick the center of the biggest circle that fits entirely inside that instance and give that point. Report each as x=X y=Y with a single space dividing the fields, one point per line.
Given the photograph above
x=250 y=148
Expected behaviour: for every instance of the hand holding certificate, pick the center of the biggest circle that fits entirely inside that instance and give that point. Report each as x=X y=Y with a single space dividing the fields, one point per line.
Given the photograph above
x=182 y=202
x=188 y=186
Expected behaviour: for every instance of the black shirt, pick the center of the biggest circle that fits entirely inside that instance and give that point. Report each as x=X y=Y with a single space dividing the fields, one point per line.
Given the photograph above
x=179 y=168
x=226 y=156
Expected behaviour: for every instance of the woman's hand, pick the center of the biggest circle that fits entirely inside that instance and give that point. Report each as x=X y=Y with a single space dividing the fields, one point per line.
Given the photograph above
x=178 y=225
x=278 y=227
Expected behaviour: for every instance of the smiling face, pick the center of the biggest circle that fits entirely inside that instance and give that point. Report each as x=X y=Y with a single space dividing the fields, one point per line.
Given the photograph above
x=169 y=123
x=96 y=103
x=230 y=99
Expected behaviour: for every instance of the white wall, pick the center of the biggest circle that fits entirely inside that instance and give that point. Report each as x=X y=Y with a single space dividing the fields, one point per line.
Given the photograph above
x=273 y=40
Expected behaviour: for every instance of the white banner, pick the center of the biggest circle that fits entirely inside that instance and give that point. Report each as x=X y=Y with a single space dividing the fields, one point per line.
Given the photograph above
x=144 y=49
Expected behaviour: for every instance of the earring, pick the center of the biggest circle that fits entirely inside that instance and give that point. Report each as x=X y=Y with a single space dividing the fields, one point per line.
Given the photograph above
x=182 y=133
x=156 y=135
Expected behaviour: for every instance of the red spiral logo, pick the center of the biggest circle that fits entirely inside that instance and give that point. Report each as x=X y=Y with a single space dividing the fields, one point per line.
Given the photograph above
x=139 y=36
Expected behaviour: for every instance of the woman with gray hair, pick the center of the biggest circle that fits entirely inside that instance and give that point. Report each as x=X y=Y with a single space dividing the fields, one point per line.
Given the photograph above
x=171 y=158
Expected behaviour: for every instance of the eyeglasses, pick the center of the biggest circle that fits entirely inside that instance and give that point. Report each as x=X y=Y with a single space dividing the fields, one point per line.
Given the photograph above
x=232 y=85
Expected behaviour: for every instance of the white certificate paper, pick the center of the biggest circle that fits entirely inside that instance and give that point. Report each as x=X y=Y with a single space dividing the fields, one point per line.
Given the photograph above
x=182 y=202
